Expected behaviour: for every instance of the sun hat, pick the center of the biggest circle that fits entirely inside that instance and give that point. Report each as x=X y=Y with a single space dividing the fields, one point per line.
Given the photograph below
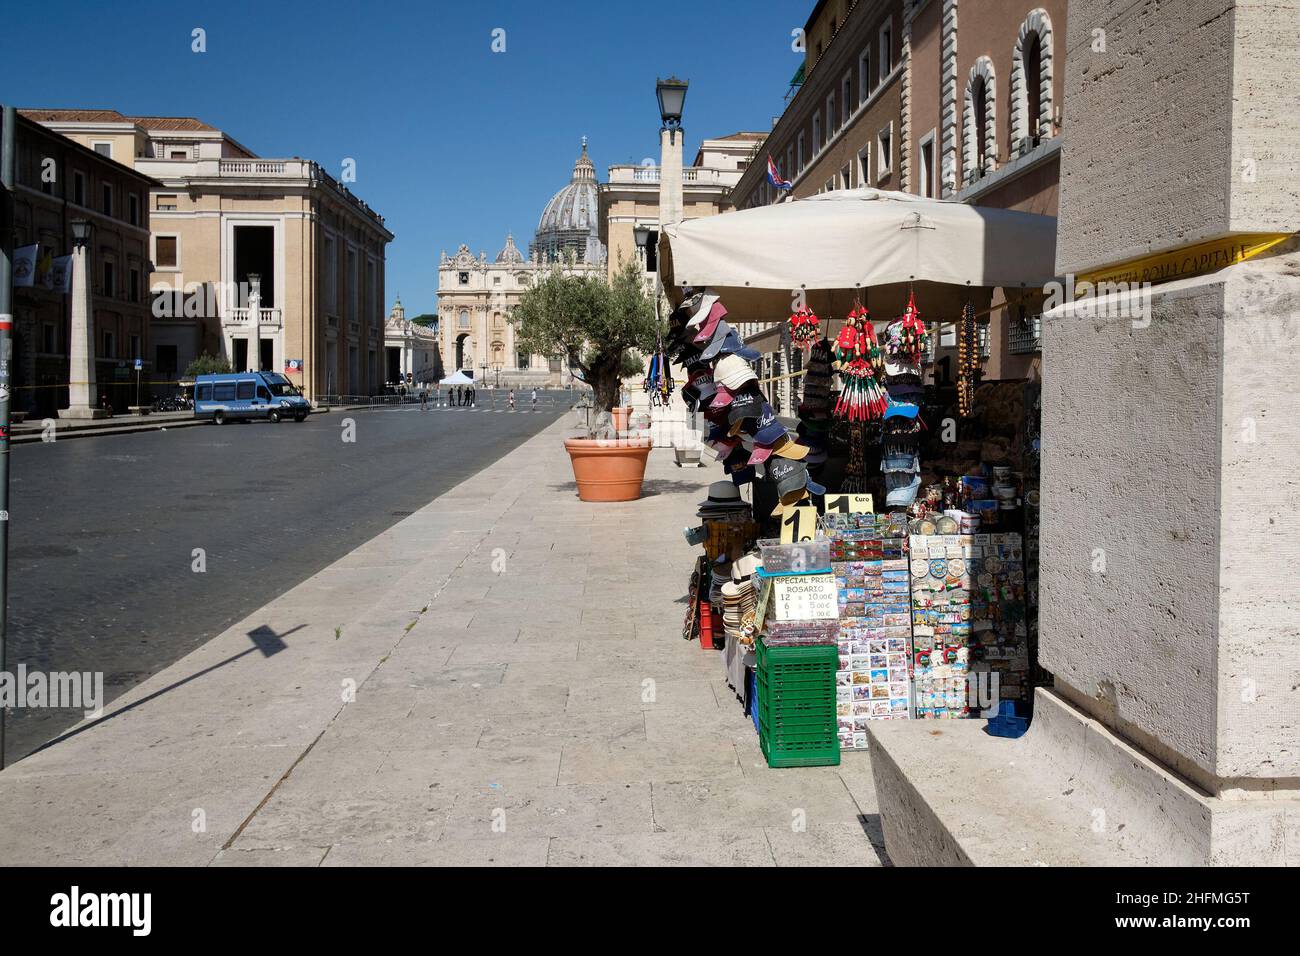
x=724 y=497
x=743 y=568
x=732 y=372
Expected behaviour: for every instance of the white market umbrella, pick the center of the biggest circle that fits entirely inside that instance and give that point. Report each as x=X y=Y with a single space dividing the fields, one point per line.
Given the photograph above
x=865 y=243
x=457 y=378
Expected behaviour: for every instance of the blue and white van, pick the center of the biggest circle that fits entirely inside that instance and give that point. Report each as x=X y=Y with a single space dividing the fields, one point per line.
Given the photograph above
x=245 y=395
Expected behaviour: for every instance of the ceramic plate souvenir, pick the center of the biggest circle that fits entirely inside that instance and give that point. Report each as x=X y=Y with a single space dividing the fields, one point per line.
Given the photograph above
x=920 y=568
x=946 y=525
x=956 y=567
x=927 y=526
x=938 y=567
x=993 y=565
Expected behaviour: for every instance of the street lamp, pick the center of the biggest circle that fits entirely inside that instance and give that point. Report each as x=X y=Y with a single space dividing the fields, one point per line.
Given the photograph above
x=255 y=317
x=80 y=230
x=672 y=95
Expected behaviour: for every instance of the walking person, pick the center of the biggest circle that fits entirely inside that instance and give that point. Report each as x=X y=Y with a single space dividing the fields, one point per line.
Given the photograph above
x=424 y=398
x=534 y=399
x=512 y=399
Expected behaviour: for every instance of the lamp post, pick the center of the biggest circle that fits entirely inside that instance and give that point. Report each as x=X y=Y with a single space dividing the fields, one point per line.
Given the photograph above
x=671 y=94
x=81 y=346
x=255 y=319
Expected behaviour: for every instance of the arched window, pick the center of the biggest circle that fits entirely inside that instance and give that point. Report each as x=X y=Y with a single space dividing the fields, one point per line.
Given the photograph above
x=979 y=154
x=1031 y=82
x=464 y=319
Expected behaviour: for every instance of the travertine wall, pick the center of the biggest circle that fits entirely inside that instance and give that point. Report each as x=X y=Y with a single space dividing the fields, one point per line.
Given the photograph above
x=1181 y=94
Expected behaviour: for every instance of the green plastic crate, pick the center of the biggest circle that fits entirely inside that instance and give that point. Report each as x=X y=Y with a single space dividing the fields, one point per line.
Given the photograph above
x=817 y=749
x=797 y=724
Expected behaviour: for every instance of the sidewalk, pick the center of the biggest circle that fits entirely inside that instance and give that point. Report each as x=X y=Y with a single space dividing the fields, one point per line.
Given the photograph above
x=522 y=696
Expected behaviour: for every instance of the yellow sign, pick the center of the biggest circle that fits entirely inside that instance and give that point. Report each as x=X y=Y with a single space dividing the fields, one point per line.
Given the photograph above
x=1183 y=263
x=798 y=524
x=850 y=504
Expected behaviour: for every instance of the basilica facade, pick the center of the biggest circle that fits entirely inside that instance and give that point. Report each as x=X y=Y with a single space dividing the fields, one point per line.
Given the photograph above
x=477 y=295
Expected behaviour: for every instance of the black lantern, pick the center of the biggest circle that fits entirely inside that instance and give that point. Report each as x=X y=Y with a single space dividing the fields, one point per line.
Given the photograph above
x=672 y=94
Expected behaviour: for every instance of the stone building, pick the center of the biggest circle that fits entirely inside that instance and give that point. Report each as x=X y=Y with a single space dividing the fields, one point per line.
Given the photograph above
x=218 y=214
x=58 y=182
x=410 y=351
x=476 y=295
x=904 y=95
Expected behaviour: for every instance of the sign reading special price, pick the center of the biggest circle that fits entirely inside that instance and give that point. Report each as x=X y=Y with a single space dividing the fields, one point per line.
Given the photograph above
x=805 y=597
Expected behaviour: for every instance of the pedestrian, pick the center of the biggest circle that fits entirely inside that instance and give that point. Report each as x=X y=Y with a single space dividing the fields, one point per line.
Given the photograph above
x=104 y=404
x=473 y=393
x=512 y=399
x=456 y=393
x=534 y=399
x=424 y=397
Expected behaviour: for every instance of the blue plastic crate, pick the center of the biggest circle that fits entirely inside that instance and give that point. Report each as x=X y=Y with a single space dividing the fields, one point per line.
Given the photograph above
x=751 y=695
x=1008 y=722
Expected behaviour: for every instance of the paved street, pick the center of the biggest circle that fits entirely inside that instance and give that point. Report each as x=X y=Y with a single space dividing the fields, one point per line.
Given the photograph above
x=522 y=697
x=104 y=529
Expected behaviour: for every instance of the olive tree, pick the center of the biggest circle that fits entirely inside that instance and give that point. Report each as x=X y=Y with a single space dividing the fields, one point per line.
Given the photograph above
x=597 y=325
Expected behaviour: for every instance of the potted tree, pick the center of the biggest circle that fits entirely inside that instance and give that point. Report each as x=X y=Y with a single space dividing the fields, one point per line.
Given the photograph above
x=597 y=326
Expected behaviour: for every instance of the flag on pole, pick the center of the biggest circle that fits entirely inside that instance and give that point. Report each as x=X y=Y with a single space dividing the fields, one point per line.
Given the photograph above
x=774 y=177
x=61 y=274
x=44 y=269
x=25 y=264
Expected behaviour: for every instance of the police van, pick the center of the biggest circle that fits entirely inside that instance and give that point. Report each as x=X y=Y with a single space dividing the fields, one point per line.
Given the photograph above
x=245 y=395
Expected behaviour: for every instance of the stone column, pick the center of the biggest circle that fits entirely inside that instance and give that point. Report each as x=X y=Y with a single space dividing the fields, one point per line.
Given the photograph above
x=1171 y=445
x=670 y=176
x=82 y=400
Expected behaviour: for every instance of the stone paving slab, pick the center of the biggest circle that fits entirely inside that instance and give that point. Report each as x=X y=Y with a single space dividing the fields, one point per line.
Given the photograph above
x=498 y=679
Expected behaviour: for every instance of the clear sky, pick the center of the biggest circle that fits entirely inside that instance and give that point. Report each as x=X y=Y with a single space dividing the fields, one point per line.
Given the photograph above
x=453 y=143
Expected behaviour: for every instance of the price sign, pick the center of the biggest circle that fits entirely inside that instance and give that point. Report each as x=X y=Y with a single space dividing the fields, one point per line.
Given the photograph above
x=798 y=524
x=805 y=597
x=850 y=504
x=760 y=610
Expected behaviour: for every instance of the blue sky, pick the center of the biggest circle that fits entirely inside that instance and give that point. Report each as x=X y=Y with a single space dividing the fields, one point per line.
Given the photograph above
x=453 y=143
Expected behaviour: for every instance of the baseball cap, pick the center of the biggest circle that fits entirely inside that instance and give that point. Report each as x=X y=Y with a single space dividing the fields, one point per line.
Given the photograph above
x=732 y=372
x=701 y=306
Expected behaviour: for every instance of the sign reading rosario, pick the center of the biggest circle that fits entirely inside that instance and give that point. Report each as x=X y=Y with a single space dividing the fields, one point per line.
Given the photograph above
x=805 y=597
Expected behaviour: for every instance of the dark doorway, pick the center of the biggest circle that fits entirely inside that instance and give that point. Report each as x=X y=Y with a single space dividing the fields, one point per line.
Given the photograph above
x=239 y=363
x=394 y=366
x=267 y=347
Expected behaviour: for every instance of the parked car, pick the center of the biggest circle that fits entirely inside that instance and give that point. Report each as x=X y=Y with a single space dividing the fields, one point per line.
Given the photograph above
x=246 y=395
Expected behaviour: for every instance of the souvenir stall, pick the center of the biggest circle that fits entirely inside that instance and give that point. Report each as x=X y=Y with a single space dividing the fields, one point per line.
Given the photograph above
x=830 y=610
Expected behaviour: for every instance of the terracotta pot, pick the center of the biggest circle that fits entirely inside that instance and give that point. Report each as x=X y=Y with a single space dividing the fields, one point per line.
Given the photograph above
x=608 y=470
x=621 y=416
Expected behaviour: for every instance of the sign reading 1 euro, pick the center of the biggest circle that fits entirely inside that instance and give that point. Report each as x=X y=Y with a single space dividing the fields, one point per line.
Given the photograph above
x=805 y=597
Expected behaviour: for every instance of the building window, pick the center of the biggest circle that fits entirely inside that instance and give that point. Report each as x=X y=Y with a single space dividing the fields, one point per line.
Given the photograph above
x=354 y=286
x=110 y=347
x=331 y=275
x=800 y=163
x=103 y=148
x=925 y=160
x=106 y=198
x=135 y=347
x=886 y=49
x=865 y=78
x=523 y=360
x=846 y=92
x=496 y=280
x=179 y=154
x=79 y=187
x=864 y=166
x=463 y=278
x=830 y=117
x=167 y=252
x=979 y=122
x=789 y=162
x=110 y=279
x=817 y=133
x=133 y=285
x=464 y=319
x=1031 y=82
x=133 y=209
x=49 y=339
x=885 y=152
x=165 y=203
x=846 y=177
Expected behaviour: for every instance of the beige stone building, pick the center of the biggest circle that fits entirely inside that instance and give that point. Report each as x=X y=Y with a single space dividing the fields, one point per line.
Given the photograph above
x=410 y=351
x=630 y=199
x=477 y=295
x=221 y=214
